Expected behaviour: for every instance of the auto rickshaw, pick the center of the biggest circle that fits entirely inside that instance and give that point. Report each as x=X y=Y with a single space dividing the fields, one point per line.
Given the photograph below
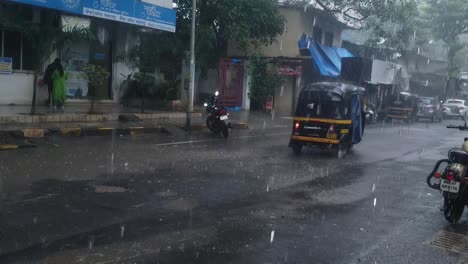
x=329 y=115
x=403 y=106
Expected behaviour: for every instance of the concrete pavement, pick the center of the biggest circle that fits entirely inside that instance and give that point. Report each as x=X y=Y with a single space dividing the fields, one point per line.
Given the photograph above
x=197 y=198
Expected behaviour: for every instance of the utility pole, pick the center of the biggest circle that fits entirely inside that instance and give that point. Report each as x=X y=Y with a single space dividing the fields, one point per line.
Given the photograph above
x=192 y=66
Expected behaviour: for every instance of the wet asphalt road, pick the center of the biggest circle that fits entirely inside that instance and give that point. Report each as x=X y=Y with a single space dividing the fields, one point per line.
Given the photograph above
x=174 y=198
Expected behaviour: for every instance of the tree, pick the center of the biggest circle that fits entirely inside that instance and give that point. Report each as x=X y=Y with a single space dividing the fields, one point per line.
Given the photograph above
x=96 y=76
x=148 y=58
x=446 y=20
x=391 y=23
x=44 y=38
x=264 y=79
x=245 y=21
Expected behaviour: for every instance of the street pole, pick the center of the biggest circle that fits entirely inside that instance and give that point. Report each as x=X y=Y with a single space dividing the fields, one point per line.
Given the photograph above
x=192 y=66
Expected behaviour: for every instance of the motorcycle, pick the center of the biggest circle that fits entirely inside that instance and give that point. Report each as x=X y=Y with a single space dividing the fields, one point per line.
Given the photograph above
x=217 y=121
x=453 y=180
x=371 y=115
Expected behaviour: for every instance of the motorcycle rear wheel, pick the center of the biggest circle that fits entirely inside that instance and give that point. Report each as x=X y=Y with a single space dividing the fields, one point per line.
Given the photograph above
x=340 y=151
x=453 y=210
x=297 y=148
x=225 y=130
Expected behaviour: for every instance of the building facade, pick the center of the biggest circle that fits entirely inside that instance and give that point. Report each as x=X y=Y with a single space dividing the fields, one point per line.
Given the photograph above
x=317 y=24
x=114 y=22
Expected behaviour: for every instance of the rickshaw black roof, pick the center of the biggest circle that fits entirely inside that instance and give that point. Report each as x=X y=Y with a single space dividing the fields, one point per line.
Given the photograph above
x=338 y=88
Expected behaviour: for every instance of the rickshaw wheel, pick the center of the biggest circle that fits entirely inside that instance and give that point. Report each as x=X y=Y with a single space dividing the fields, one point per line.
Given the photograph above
x=297 y=148
x=340 y=151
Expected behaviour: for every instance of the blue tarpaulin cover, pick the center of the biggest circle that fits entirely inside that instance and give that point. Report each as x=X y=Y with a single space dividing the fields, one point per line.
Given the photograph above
x=327 y=59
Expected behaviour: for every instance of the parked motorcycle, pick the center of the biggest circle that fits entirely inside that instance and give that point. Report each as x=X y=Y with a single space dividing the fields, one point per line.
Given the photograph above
x=217 y=121
x=453 y=180
x=371 y=114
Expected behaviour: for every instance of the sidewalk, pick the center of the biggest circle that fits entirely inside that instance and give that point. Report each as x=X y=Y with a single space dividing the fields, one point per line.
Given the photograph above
x=122 y=121
x=78 y=112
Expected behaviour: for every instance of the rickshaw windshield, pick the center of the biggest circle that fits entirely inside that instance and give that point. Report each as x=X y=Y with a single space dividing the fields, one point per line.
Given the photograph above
x=322 y=104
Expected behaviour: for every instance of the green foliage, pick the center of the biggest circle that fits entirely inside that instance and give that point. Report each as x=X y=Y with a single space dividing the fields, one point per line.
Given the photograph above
x=264 y=79
x=392 y=21
x=447 y=20
x=44 y=39
x=95 y=75
x=148 y=58
x=245 y=21
x=144 y=85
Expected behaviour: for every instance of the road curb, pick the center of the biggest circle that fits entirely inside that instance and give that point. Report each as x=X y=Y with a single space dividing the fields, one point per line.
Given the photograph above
x=82 y=132
x=13 y=147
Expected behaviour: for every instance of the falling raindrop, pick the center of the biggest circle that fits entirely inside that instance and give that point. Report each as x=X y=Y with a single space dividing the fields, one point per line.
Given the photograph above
x=428 y=61
x=268 y=188
x=315 y=20
x=122 y=230
x=272 y=236
x=35 y=220
x=112 y=164
x=373 y=187
x=375 y=202
x=91 y=243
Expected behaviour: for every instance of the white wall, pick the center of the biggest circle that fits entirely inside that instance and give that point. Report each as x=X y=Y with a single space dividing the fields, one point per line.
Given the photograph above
x=163 y=3
x=16 y=88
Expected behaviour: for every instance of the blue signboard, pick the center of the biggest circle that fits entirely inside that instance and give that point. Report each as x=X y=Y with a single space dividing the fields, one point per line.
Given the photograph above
x=134 y=12
x=156 y=14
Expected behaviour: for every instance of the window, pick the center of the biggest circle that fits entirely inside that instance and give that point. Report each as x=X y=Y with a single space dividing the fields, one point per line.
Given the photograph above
x=12 y=43
x=329 y=39
x=318 y=34
x=14 y=46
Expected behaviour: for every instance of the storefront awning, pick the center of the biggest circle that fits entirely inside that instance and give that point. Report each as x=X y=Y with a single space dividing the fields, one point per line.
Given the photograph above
x=326 y=59
x=137 y=12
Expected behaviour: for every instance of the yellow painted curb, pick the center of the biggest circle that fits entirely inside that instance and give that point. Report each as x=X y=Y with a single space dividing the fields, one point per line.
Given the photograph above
x=76 y=132
x=33 y=133
x=8 y=147
x=136 y=130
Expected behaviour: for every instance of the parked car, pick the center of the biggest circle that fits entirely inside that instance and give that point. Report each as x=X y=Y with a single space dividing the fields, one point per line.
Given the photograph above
x=429 y=108
x=453 y=108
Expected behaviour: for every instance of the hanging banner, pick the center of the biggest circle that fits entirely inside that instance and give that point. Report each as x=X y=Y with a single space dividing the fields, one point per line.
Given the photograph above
x=136 y=12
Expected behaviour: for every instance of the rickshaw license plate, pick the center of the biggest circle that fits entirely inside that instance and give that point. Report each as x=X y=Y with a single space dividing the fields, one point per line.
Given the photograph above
x=224 y=117
x=449 y=186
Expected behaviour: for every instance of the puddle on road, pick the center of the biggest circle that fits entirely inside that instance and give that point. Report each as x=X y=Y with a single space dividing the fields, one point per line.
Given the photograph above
x=167 y=194
x=180 y=205
x=109 y=189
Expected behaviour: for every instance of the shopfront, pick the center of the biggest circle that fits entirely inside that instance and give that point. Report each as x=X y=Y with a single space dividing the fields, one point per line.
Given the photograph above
x=113 y=20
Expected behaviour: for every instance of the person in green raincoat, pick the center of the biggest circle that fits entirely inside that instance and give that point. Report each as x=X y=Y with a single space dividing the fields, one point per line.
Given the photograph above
x=59 y=77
